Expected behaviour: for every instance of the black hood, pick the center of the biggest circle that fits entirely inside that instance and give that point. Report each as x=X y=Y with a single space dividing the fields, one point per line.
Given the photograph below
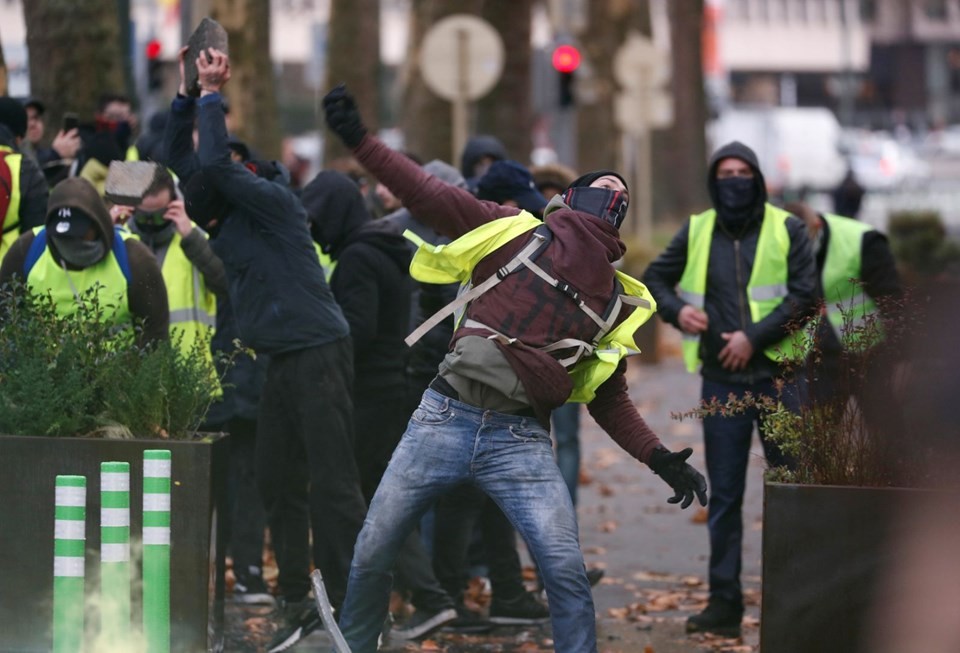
x=737 y=150
x=384 y=237
x=478 y=147
x=335 y=210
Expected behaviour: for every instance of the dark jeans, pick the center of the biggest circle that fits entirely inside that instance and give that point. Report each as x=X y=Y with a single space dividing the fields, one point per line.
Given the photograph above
x=247 y=518
x=727 y=440
x=458 y=513
x=380 y=418
x=306 y=469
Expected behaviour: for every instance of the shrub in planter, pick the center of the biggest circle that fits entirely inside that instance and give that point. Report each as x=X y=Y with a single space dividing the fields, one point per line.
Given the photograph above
x=828 y=515
x=75 y=392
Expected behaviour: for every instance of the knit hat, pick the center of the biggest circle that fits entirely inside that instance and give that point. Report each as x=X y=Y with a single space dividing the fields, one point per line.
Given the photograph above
x=13 y=115
x=508 y=180
x=590 y=177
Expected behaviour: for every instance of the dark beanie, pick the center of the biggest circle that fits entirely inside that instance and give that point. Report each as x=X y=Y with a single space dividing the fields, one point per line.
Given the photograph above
x=13 y=115
x=587 y=179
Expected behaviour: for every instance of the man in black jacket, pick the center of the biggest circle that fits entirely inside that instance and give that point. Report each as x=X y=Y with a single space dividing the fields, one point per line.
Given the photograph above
x=26 y=207
x=745 y=275
x=283 y=308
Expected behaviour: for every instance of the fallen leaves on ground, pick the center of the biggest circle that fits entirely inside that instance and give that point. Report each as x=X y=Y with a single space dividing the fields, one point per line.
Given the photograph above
x=700 y=516
x=609 y=526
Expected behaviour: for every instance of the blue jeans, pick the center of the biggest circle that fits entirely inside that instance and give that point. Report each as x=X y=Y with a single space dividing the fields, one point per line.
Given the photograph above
x=508 y=457
x=566 y=429
x=727 y=447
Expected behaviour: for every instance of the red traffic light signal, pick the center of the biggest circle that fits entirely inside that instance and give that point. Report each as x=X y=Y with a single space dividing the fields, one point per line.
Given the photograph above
x=153 y=49
x=566 y=58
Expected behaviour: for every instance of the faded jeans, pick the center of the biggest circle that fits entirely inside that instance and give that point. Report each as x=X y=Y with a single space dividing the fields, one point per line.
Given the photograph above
x=508 y=457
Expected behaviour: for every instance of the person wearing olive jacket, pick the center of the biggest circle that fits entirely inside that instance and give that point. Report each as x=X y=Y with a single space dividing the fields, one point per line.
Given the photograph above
x=735 y=279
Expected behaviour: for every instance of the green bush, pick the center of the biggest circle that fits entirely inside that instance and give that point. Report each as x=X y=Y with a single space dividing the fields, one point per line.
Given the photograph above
x=80 y=376
x=919 y=242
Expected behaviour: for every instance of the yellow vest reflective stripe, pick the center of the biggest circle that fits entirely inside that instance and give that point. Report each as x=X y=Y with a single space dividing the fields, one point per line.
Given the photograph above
x=766 y=288
x=11 y=224
x=846 y=304
x=454 y=262
x=47 y=276
x=193 y=307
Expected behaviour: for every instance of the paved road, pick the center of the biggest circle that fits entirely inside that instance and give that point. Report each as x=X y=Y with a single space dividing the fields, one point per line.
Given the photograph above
x=655 y=554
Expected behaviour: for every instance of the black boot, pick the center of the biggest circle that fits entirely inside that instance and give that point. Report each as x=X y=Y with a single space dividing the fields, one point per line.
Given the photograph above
x=719 y=617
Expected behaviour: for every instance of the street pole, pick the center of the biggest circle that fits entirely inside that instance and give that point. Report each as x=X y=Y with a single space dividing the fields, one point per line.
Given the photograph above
x=460 y=106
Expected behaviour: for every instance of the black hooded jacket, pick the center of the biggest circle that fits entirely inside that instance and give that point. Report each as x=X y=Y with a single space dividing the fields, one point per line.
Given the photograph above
x=732 y=255
x=371 y=281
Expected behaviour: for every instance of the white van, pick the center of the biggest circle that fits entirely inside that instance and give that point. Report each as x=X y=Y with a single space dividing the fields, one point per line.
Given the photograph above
x=798 y=147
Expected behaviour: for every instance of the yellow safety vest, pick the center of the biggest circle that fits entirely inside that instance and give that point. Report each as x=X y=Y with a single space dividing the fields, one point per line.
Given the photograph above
x=132 y=154
x=455 y=261
x=766 y=288
x=11 y=223
x=327 y=263
x=847 y=306
x=66 y=286
x=193 y=307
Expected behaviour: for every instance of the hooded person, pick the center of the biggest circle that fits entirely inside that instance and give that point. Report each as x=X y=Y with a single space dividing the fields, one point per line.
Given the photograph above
x=373 y=287
x=544 y=319
x=306 y=470
x=478 y=154
x=23 y=187
x=737 y=279
x=511 y=184
x=79 y=249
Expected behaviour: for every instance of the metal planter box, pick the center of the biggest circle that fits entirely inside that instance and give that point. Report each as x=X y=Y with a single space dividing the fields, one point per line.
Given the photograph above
x=29 y=468
x=824 y=549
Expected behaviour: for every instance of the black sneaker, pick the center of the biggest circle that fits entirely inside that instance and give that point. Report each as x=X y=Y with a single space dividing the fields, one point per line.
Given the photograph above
x=594 y=575
x=296 y=620
x=523 y=609
x=719 y=617
x=251 y=590
x=468 y=622
x=422 y=622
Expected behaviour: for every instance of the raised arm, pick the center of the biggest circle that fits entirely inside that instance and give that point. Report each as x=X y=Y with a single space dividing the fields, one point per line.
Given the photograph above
x=178 y=133
x=449 y=210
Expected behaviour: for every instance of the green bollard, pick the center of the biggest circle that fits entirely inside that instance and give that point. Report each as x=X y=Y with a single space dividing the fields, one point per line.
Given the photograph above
x=114 y=553
x=68 y=563
x=156 y=550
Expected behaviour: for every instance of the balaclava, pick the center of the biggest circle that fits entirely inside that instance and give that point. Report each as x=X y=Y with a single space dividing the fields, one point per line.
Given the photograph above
x=737 y=200
x=605 y=203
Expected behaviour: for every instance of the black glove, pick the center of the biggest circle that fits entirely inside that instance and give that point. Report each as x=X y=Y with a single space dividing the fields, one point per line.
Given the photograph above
x=684 y=479
x=343 y=118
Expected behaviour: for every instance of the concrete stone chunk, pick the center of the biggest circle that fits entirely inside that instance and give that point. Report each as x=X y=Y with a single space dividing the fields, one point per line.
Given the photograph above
x=128 y=181
x=209 y=34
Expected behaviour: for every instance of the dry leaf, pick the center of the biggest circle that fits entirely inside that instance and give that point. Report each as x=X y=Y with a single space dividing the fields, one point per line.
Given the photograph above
x=618 y=613
x=700 y=516
x=692 y=581
x=430 y=645
x=606 y=490
x=609 y=526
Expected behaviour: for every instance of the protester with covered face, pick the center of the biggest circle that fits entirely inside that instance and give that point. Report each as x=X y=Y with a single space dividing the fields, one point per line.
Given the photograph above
x=527 y=342
x=283 y=307
x=79 y=249
x=735 y=279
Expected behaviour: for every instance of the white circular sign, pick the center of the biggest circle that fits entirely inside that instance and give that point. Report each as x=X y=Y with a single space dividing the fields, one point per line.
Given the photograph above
x=461 y=57
x=638 y=63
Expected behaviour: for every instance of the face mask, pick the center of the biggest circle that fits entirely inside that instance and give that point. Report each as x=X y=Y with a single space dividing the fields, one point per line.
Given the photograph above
x=736 y=193
x=78 y=252
x=605 y=203
x=204 y=203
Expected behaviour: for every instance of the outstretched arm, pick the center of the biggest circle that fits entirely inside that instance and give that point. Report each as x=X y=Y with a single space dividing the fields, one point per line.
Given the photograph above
x=449 y=210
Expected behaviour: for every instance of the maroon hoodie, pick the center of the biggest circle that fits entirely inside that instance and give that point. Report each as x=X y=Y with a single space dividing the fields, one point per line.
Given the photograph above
x=581 y=253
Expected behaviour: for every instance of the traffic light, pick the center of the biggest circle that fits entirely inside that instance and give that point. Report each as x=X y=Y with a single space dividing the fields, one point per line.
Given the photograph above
x=154 y=65
x=566 y=59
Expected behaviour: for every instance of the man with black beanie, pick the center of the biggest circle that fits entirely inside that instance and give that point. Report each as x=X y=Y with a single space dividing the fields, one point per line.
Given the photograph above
x=546 y=320
x=734 y=280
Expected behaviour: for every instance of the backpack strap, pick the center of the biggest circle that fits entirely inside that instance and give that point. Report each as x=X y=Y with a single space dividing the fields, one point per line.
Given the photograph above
x=538 y=242
x=120 y=253
x=36 y=250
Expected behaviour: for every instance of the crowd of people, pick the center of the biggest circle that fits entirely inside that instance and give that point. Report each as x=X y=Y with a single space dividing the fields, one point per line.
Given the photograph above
x=419 y=338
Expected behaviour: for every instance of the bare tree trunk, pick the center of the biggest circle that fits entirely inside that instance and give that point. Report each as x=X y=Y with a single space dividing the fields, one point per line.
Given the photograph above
x=680 y=152
x=353 y=57
x=426 y=118
x=610 y=22
x=75 y=54
x=506 y=112
x=3 y=72
x=251 y=91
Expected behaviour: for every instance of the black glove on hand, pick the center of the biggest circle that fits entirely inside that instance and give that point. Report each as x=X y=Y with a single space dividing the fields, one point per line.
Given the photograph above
x=343 y=118
x=684 y=479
